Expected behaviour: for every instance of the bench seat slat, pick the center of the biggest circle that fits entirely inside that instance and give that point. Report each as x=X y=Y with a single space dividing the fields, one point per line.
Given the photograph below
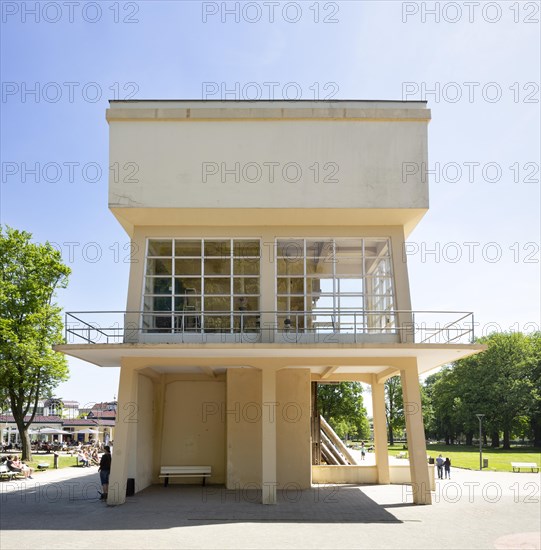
x=520 y=465
x=184 y=471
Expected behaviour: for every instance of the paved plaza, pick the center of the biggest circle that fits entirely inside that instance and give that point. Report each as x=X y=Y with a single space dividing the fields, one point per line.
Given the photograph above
x=60 y=509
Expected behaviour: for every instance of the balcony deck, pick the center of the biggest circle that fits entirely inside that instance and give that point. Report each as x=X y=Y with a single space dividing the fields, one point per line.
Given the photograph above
x=335 y=346
x=250 y=327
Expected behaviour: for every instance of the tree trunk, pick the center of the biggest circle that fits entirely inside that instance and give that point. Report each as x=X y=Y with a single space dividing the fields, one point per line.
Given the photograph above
x=391 y=435
x=469 y=438
x=495 y=439
x=25 y=439
x=536 y=429
x=507 y=439
x=485 y=440
x=447 y=440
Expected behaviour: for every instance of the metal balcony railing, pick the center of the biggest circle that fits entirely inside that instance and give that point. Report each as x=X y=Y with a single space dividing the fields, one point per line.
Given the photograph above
x=316 y=326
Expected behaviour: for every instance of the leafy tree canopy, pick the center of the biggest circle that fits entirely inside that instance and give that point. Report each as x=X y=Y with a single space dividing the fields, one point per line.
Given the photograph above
x=342 y=406
x=30 y=324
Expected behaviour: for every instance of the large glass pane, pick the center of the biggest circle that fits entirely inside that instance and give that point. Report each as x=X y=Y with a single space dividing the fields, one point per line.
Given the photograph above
x=246 y=266
x=221 y=249
x=186 y=285
x=217 y=286
x=350 y=285
x=290 y=266
x=160 y=248
x=291 y=285
x=249 y=303
x=217 y=323
x=319 y=256
x=217 y=266
x=352 y=302
x=159 y=266
x=188 y=303
x=290 y=248
x=217 y=303
x=245 y=285
x=187 y=248
x=161 y=304
x=187 y=266
x=374 y=247
x=325 y=301
x=158 y=285
x=245 y=249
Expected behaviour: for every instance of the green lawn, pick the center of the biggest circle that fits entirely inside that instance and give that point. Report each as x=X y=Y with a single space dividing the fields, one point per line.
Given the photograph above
x=63 y=461
x=463 y=456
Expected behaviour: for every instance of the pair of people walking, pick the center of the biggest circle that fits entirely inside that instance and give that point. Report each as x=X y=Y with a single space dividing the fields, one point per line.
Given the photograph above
x=443 y=466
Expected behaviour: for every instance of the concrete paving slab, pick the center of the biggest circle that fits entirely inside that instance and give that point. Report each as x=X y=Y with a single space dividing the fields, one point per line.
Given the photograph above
x=60 y=509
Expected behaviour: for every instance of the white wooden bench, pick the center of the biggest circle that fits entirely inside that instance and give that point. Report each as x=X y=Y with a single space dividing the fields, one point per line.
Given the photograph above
x=184 y=471
x=531 y=465
x=6 y=472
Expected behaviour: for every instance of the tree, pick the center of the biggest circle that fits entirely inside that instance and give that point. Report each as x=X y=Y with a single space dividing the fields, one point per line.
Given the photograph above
x=533 y=374
x=342 y=406
x=502 y=383
x=394 y=407
x=30 y=324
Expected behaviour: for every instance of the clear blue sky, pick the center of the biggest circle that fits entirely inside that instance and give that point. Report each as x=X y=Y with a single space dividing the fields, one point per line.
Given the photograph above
x=478 y=67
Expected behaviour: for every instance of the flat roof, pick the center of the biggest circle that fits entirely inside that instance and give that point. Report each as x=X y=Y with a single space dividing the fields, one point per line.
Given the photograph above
x=190 y=110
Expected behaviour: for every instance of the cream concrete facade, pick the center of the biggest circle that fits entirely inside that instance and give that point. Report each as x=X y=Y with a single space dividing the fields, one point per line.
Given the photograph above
x=219 y=349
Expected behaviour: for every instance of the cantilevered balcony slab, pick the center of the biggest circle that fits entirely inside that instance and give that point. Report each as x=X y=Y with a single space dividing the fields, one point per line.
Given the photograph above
x=350 y=359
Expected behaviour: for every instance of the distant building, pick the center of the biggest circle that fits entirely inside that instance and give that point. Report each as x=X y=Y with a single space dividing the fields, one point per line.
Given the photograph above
x=66 y=416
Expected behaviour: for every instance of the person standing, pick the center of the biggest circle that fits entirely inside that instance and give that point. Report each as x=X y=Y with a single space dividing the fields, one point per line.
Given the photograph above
x=439 y=465
x=363 y=450
x=447 y=467
x=105 y=470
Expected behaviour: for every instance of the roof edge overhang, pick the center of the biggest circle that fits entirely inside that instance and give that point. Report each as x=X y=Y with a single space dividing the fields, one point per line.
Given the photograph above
x=132 y=217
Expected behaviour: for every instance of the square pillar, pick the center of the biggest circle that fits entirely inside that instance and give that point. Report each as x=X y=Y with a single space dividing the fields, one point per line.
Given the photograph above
x=126 y=422
x=380 y=431
x=268 y=436
x=416 y=435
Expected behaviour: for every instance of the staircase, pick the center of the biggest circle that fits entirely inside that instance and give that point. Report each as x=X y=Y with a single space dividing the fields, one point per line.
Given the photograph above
x=333 y=450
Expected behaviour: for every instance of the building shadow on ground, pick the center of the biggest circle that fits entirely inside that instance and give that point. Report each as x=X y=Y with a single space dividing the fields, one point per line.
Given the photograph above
x=74 y=504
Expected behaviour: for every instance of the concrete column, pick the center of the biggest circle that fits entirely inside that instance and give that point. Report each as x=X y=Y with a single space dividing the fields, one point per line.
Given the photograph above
x=268 y=289
x=126 y=422
x=380 y=431
x=159 y=403
x=401 y=287
x=416 y=435
x=268 y=435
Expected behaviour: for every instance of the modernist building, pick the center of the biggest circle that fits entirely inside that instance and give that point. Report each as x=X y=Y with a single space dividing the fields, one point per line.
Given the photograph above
x=267 y=242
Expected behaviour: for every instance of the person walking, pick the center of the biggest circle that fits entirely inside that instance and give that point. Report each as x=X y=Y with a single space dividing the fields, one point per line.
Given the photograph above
x=439 y=465
x=447 y=467
x=104 y=470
